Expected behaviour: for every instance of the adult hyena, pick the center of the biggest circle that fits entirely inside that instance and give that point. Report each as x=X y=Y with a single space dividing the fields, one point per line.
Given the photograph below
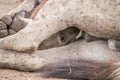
x=99 y=18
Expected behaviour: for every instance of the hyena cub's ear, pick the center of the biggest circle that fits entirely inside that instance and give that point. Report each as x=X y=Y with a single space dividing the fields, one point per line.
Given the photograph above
x=114 y=44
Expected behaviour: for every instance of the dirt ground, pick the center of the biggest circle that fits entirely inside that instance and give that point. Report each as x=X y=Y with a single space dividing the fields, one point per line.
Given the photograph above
x=7 y=5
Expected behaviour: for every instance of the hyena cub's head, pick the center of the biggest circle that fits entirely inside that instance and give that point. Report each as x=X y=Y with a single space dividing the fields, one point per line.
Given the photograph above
x=61 y=38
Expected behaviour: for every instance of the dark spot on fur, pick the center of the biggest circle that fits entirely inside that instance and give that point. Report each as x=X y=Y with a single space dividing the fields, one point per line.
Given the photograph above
x=114 y=27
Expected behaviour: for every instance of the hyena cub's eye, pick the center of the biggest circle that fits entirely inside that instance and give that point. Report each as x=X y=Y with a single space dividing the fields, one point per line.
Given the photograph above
x=62 y=37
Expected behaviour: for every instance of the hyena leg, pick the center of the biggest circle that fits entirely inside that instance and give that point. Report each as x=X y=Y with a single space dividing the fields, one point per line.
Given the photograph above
x=27 y=5
x=21 y=19
x=36 y=10
x=52 y=18
x=29 y=38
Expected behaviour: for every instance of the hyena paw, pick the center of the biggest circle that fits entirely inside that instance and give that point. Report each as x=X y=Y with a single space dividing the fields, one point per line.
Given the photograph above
x=10 y=25
x=3 y=29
